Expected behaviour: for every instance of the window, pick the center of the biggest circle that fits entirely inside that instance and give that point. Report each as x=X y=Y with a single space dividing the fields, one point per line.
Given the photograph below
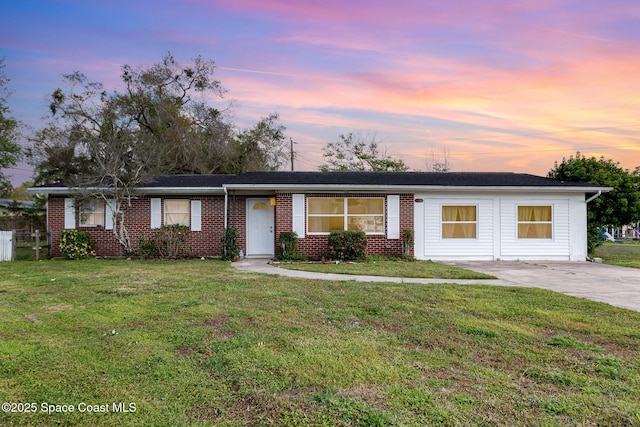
x=535 y=222
x=176 y=212
x=459 y=222
x=92 y=213
x=358 y=214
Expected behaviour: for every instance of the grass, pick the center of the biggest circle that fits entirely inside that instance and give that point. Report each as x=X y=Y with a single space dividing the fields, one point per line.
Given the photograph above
x=392 y=268
x=625 y=254
x=200 y=343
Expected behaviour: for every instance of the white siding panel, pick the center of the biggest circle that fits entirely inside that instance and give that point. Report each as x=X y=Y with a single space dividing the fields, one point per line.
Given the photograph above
x=558 y=247
x=437 y=248
x=497 y=228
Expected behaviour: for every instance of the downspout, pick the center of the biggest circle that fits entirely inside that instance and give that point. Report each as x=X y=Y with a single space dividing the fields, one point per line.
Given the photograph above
x=595 y=196
x=226 y=207
x=590 y=199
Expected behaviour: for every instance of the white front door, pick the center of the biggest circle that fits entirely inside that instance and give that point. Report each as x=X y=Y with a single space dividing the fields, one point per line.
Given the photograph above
x=260 y=224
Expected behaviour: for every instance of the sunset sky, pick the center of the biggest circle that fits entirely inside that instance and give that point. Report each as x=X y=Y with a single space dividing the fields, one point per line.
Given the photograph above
x=499 y=85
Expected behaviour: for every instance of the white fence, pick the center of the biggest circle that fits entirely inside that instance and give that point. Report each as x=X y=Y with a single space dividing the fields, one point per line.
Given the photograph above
x=6 y=245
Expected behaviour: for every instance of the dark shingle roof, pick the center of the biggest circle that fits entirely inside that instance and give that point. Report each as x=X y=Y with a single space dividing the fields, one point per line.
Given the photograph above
x=457 y=179
x=186 y=181
x=401 y=179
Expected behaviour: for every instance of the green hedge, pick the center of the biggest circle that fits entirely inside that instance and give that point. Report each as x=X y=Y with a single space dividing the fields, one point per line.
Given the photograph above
x=347 y=245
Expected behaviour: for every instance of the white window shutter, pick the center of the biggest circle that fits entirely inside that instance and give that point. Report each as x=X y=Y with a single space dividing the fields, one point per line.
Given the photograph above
x=110 y=207
x=298 y=214
x=393 y=217
x=156 y=213
x=196 y=215
x=69 y=213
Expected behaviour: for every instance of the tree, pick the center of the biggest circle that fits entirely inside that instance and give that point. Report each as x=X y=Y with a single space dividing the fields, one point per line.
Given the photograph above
x=106 y=145
x=437 y=163
x=9 y=148
x=616 y=208
x=359 y=153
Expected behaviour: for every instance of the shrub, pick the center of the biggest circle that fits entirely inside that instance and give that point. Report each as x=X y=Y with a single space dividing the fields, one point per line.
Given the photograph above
x=288 y=243
x=168 y=242
x=76 y=244
x=230 y=247
x=407 y=242
x=347 y=245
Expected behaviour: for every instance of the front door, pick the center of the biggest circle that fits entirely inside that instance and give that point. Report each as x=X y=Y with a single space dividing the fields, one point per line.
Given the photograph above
x=260 y=223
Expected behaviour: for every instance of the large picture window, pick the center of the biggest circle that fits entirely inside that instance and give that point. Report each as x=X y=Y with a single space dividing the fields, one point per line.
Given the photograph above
x=459 y=222
x=92 y=213
x=535 y=222
x=176 y=212
x=345 y=213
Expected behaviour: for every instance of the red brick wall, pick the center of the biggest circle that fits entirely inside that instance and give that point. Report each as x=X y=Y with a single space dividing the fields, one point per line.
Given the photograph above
x=238 y=218
x=208 y=241
x=138 y=222
x=315 y=246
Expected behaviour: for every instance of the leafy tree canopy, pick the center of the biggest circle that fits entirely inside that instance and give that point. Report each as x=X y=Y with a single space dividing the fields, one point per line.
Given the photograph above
x=106 y=144
x=162 y=121
x=9 y=148
x=359 y=153
x=618 y=207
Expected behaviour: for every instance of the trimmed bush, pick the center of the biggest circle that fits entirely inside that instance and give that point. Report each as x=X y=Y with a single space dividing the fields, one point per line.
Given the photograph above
x=288 y=246
x=230 y=246
x=347 y=245
x=76 y=244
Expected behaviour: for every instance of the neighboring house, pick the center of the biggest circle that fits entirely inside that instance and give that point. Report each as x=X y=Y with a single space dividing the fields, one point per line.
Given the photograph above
x=9 y=207
x=456 y=216
x=20 y=215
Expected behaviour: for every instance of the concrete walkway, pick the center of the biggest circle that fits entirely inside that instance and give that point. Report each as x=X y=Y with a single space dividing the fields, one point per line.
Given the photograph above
x=618 y=286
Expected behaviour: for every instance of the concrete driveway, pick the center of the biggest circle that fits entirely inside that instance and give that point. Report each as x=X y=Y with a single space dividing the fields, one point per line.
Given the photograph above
x=619 y=286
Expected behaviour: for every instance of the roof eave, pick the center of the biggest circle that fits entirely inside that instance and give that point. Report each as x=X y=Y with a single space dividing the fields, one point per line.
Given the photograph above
x=412 y=188
x=61 y=191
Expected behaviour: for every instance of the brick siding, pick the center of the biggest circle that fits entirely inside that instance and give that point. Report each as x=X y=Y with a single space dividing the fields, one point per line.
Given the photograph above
x=315 y=246
x=208 y=241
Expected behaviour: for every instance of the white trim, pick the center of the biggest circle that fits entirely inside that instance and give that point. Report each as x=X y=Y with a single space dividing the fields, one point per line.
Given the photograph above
x=69 y=213
x=298 y=214
x=476 y=222
x=251 y=232
x=306 y=188
x=328 y=188
x=345 y=215
x=393 y=216
x=156 y=213
x=196 y=215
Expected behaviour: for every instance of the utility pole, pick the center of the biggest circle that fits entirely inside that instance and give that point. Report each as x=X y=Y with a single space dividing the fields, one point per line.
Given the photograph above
x=293 y=154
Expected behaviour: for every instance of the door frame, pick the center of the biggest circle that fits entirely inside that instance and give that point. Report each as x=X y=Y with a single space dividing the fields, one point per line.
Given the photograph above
x=248 y=229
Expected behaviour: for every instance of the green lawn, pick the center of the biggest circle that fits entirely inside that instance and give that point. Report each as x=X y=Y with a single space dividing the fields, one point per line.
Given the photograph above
x=418 y=269
x=625 y=254
x=201 y=343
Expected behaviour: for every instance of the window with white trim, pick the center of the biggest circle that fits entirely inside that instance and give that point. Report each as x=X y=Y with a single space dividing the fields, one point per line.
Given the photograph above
x=325 y=214
x=92 y=213
x=535 y=222
x=459 y=222
x=176 y=211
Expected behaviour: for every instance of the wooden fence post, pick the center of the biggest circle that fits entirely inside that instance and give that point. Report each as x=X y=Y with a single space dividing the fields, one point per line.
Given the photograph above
x=37 y=235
